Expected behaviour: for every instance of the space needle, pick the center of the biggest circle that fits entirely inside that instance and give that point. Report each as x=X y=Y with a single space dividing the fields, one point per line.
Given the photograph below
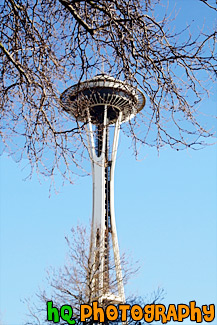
x=103 y=104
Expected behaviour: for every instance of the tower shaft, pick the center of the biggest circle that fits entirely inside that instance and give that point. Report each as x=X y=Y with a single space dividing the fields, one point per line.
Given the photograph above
x=103 y=229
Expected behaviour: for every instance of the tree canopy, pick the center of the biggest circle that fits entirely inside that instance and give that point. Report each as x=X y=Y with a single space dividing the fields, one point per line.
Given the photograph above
x=47 y=46
x=72 y=284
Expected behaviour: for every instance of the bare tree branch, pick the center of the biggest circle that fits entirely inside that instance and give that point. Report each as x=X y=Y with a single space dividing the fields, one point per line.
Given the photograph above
x=46 y=46
x=72 y=284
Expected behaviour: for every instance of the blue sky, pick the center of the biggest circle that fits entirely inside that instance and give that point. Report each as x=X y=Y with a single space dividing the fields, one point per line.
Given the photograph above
x=165 y=212
x=166 y=218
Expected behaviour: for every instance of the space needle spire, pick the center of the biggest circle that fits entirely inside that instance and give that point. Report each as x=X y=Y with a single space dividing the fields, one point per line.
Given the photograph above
x=101 y=103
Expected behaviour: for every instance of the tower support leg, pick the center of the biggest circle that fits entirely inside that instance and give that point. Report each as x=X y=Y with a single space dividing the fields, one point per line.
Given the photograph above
x=103 y=215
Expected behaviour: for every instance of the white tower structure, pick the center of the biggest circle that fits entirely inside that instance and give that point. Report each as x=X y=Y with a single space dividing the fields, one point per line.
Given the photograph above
x=101 y=103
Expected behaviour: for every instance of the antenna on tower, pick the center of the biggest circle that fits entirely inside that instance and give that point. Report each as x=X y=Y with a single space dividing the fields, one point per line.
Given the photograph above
x=102 y=65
